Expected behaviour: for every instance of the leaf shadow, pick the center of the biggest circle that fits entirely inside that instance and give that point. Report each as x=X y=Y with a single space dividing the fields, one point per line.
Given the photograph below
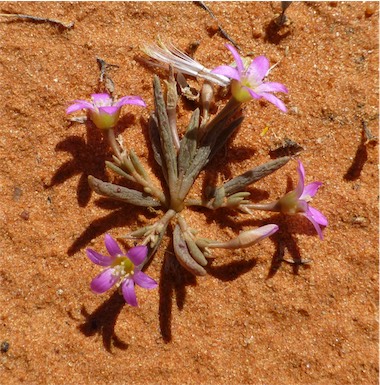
x=122 y=215
x=231 y=271
x=173 y=282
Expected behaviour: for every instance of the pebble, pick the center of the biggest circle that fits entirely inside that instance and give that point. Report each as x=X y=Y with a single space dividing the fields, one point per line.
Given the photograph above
x=4 y=347
x=25 y=215
x=370 y=9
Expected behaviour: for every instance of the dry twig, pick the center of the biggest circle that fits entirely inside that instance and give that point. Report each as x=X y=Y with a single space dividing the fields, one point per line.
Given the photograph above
x=39 y=19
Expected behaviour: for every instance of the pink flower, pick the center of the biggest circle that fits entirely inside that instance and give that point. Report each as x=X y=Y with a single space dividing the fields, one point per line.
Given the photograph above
x=120 y=266
x=248 y=83
x=103 y=110
x=296 y=201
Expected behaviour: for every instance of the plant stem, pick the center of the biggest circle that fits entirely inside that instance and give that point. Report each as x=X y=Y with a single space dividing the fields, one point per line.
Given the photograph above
x=113 y=143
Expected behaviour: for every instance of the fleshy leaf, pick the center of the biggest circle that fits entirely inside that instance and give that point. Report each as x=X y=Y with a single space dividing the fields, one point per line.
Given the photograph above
x=121 y=193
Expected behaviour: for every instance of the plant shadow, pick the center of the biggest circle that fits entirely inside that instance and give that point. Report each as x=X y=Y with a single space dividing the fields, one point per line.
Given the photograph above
x=173 y=282
x=103 y=320
x=122 y=215
x=88 y=156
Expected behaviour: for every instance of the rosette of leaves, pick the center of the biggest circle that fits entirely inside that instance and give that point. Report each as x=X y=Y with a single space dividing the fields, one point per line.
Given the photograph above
x=181 y=161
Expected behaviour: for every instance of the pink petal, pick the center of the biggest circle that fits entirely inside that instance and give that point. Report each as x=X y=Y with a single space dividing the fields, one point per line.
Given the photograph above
x=258 y=69
x=109 y=110
x=274 y=100
x=80 y=105
x=318 y=216
x=99 y=259
x=102 y=99
x=144 y=280
x=271 y=87
x=309 y=216
x=266 y=231
x=112 y=246
x=228 y=71
x=301 y=180
x=136 y=100
x=310 y=190
x=137 y=254
x=104 y=281
x=238 y=60
x=129 y=294
x=252 y=93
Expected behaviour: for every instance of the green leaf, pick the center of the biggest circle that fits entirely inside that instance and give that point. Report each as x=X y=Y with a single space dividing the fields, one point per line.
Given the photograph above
x=240 y=182
x=168 y=151
x=121 y=193
x=183 y=256
x=188 y=144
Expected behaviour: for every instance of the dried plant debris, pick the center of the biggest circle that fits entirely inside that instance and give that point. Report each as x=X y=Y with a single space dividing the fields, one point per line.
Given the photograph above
x=287 y=148
x=222 y=31
x=63 y=24
x=104 y=77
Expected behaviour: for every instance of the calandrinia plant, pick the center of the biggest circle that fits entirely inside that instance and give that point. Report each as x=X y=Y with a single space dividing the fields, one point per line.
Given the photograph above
x=181 y=157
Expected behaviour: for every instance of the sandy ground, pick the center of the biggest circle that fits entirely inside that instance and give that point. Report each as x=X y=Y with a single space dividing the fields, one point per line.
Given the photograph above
x=245 y=322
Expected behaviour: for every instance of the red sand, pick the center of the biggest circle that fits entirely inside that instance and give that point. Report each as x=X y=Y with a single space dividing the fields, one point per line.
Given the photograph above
x=239 y=324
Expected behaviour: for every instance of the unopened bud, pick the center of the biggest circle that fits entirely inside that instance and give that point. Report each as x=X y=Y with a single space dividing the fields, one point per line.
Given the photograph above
x=246 y=238
x=207 y=95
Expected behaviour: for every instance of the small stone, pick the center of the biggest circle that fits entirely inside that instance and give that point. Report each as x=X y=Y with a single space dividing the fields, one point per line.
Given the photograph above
x=257 y=32
x=212 y=28
x=4 y=347
x=17 y=193
x=25 y=215
x=370 y=9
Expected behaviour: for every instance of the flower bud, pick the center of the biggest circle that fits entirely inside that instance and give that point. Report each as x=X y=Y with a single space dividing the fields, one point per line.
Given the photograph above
x=246 y=238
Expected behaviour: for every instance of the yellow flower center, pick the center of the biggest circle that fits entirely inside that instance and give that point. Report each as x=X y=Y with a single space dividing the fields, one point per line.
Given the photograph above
x=239 y=92
x=122 y=266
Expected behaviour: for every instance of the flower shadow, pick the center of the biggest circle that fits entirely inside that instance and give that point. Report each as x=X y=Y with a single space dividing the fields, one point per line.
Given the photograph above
x=284 y=241
x=103 y=320
x=88 y=156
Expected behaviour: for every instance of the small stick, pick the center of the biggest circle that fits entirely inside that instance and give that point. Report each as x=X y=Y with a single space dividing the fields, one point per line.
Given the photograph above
x=104 y=77
x=39 y=19
x=222 y=31
x=368 y=136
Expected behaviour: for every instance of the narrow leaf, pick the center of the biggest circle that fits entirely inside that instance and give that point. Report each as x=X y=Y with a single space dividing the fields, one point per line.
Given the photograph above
x=168 y=152
x=210 y=145
x=137 y=165
x=188 y=144
x=183 y=256
x=240 y=182
x=119 y=171
x=124 y=194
